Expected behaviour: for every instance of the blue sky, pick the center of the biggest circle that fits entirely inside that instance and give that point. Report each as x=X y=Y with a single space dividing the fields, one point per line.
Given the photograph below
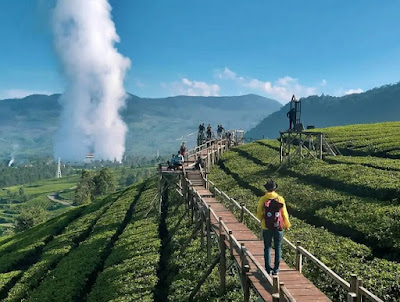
x=270 y=48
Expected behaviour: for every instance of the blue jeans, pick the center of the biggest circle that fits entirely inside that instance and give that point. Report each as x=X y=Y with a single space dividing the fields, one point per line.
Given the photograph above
x=278 y=236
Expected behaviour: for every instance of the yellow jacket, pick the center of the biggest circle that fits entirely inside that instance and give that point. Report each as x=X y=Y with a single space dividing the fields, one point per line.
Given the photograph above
x=260 y=209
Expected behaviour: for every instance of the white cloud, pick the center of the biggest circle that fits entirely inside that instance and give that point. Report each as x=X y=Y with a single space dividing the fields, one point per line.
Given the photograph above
x=324 y=82
x=192 y=88
x=227 y=74
x=282 y=89
x=20 y=93
x=354 y=91
x=139 y=84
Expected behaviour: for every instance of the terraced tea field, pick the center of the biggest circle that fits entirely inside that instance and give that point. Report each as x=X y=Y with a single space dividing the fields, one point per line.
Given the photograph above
x=345 y=210
x=381 y=139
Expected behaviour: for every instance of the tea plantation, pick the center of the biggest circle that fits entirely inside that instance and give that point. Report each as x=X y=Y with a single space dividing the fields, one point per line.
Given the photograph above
x=344 y=209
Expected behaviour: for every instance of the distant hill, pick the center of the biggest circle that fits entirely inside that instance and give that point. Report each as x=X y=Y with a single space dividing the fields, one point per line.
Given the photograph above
x=376 y=105
x=28 y=125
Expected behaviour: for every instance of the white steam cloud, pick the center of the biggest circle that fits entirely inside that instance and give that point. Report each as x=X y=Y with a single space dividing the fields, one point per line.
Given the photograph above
x=85 y=38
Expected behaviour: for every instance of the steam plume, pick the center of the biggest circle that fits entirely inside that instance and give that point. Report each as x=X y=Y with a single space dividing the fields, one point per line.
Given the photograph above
x=11 y=161
x=85 y=38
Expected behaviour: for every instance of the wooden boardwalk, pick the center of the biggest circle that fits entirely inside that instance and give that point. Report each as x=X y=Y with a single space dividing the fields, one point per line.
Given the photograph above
x=244 y=246
x=299 y=286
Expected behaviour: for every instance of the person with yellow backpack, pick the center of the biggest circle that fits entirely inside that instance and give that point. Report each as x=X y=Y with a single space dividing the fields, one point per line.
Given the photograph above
x=272 y=212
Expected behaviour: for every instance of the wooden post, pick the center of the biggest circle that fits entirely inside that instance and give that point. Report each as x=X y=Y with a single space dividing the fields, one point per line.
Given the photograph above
x=220 y=225
x=231 y=243
x=320 y=146
x=208 y=222
x=192 y=209
x=288 y=143
x=201 y=230
x=189 y=196
x=281 y=149
x=246 y=284
x=351 y=297
x=354 y=284
x=242 y=212
x=359 y=295
x=281 y=293
x=242 y=257
x=300 y=147
x=275 y=298
x=275 y=284
x=299 y=258
x=222 y=270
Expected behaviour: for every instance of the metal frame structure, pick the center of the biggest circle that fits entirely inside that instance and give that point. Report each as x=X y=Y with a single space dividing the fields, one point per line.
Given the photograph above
x=303 y=144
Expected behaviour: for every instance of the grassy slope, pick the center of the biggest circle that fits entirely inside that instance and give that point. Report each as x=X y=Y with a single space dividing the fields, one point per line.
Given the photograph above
x=37 y=193
x=342 y=201
x=110 y=251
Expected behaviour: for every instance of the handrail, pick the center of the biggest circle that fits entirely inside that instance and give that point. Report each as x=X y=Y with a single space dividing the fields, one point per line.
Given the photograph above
x=289 y=243
x=251 y=214
x=287 y=294
x=259 y=267
x=369 y=295
x=334 y=276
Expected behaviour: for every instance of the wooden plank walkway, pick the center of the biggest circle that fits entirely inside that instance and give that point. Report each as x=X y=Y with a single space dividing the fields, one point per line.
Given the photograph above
x=299 y=286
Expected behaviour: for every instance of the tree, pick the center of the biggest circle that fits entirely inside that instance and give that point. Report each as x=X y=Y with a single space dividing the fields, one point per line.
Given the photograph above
x=30 y=217
x=104 y=182
x=84 y=188
x=21 y=192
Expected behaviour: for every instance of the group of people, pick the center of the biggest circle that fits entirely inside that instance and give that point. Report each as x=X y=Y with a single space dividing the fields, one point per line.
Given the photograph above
x=177 y=160
x=207 y=134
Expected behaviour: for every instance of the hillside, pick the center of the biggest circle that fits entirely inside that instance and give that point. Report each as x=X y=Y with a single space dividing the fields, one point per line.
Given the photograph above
x=115 y=249
x=376 y=105
x=21 y=199
x=345 y=209
x=27 y=126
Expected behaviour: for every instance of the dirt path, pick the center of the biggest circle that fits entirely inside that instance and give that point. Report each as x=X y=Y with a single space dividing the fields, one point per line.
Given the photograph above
x=9 y=225
x=53 y=197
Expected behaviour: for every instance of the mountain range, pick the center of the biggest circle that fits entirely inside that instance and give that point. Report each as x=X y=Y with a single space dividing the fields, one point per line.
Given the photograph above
x=376 y=105
x=28 y=125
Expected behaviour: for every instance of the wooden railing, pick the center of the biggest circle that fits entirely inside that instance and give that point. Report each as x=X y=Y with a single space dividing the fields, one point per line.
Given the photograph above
x=354 y=288
x=244 y=259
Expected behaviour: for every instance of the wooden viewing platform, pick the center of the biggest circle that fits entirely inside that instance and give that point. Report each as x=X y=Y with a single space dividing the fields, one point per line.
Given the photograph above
x=244 y=247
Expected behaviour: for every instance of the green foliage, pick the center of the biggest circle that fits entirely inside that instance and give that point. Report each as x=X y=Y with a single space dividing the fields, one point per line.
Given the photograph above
x=104 y=182
x=67 y=281
x=92 y=185
x=342 y=212
x=20 y=249
x=6 y=279
x=59 y=247
x=379 y=139
x=184 y=269
x=130 y=270
x=85 y=188
x=30 y=217
x=11 y=176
